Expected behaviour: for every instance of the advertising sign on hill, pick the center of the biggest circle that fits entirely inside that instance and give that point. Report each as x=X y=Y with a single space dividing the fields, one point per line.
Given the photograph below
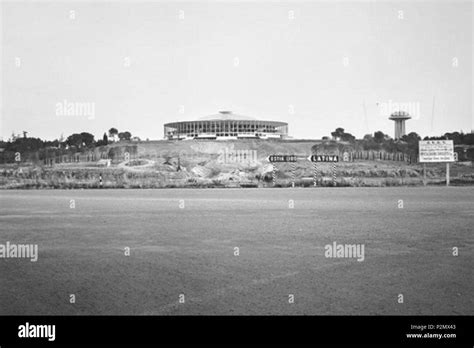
x=432 y=151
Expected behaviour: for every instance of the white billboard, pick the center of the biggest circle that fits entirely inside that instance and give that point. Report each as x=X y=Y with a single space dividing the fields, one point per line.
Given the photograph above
x=436 y=151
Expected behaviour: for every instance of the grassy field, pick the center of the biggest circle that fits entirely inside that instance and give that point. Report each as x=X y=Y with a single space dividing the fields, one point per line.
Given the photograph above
x=211 y=174
x=182 y=242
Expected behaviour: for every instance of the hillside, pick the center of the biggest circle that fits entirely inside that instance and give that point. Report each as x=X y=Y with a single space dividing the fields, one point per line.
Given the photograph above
x=239 y=163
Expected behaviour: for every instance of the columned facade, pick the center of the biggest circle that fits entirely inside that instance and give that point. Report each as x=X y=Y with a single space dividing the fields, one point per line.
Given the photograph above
x=225 y=126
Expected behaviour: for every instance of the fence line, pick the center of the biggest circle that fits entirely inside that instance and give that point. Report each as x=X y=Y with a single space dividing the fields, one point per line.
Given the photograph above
x=350 y=156
x=77 y=158
x=382 y=156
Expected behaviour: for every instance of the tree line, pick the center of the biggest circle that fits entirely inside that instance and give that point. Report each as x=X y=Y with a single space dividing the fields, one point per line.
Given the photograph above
x=78 y=142
x=75 y=141
x=408 y=144
x=380 y=141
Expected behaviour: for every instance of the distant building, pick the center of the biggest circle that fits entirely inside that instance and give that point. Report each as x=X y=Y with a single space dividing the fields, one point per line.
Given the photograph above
x=225 y=125
x=399 y=117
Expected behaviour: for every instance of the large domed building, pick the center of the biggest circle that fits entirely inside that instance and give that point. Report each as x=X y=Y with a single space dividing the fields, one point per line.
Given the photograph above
x=225 y=125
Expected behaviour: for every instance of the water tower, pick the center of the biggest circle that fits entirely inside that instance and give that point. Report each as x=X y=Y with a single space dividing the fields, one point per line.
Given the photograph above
x=399 y=117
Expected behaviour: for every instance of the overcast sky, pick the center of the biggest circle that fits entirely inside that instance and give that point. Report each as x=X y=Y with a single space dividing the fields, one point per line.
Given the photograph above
x=315 y=65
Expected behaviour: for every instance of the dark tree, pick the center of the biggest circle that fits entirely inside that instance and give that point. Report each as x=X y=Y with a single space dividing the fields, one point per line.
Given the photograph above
x=74 y=140
x=124 y=135
x=113 y=132
x=87 y=139
x=128 y=135
x=347 y=137
x=337 y=133
x=379 y=137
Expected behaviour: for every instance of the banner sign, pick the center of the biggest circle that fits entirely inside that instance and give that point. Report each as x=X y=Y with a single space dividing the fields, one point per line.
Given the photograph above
x=432 y=151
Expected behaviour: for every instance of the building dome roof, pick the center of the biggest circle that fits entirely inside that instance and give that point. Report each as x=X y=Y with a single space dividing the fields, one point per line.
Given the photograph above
x=225 y=116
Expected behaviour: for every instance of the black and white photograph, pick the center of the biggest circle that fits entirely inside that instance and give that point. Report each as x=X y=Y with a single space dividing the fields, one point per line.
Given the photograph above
x=225 y=164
